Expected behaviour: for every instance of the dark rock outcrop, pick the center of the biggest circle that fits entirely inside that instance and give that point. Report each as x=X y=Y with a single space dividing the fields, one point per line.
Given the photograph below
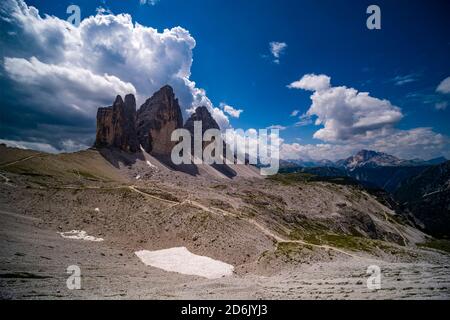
x=201 y=114
x=204 y=116
x=116 y=125
x=426 y=198
x=156 y=119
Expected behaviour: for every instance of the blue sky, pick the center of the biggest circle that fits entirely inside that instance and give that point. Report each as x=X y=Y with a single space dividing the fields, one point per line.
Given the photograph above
x=404 y=62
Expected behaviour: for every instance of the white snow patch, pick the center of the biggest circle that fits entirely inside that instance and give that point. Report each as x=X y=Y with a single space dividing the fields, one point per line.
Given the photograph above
x=181 y=260
x=97 y=210
x=79 y=235
x=138 y=177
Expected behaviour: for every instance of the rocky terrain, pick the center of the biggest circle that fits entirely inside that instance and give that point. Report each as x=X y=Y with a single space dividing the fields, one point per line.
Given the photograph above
x=287 y=236
x=369 y=158
x=156 y=119
x=426 y=198
x=116 y=125
x=417 y=189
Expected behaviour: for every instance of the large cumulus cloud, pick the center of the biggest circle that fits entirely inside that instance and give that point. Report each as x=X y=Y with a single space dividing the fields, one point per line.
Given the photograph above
x=353 y=120
x=344 y=112
x=56 y=75
x=406 y=144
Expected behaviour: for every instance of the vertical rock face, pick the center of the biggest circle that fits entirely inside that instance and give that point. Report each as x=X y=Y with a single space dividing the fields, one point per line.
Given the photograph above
x=120 y=126
x=156 y=119
x=116 y=125
x=201 y=114
x=105 y=127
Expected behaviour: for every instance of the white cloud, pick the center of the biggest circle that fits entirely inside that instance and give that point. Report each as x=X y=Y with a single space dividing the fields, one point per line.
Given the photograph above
x=200 y=99
x=441 y=105
x=102 y=10
x=217 y=113
x=402 y=80
x=44 y=147
x=78 y=90
x=235 y=113
x=220 y=117
x=353 y=121
x=276 y=126
x=315 y=151
x=312 y=82
x=149 y=2
x=304 y=120
x=417 y=142
x=277 y=49
x=61 y=74
x=255 y=143
x=294 y=113
x=444 y=86
x=406 y=144
x=344 y=112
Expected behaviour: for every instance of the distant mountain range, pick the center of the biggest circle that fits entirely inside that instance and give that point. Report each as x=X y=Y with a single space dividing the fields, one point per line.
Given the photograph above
x=420 y=188
x=370 y=168
x=364 y=158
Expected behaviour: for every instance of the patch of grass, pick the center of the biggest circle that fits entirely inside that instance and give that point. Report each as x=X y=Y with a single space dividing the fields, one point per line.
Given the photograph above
x=318 y=235
x=86 y=175
x=308 y=230
x=290 y=250
x=26 y=171
x=286 y=248
x=160 y=194
x=296 y=177
x=349 y=242
x=442 y=245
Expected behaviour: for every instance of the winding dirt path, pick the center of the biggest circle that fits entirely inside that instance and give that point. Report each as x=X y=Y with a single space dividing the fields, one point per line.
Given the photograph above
x=4 y=165
x=253 y=222
x=214 y=210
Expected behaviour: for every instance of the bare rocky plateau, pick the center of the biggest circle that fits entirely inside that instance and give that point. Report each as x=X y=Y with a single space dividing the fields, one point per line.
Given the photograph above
x=287 y=237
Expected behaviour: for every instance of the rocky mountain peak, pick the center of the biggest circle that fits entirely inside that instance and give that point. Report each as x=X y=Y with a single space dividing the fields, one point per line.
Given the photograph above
x=156 y=119
x=118 y=101
x=130 y=103
x=367 y=158
x=116 y=125
x=367 y=154
x=201 y=114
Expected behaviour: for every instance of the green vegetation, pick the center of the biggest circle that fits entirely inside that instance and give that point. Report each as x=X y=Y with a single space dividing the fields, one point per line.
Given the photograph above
x=318 y=234
x=292 y=251
x=295 y=177
x=292 y=178
x=86 y=175
x=349 y=242
x=438 y=244
x=160 y=194
x=23 y=170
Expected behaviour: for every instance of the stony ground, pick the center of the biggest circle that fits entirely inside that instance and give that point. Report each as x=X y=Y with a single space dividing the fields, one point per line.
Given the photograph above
x=287 y=239
x=35 y=259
